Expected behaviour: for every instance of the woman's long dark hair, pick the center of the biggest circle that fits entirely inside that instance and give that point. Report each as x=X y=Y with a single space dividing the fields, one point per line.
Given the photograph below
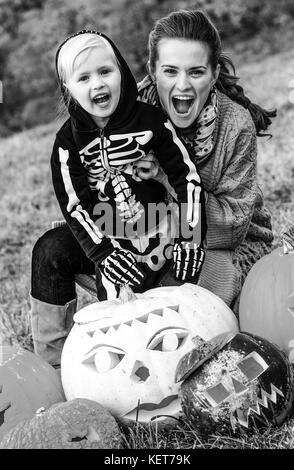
x=196 y=25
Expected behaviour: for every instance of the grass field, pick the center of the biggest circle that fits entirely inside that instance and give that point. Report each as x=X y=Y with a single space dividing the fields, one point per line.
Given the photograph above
x=28 y=206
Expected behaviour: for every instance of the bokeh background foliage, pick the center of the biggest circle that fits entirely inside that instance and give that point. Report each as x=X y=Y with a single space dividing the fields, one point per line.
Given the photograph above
x=30 y=31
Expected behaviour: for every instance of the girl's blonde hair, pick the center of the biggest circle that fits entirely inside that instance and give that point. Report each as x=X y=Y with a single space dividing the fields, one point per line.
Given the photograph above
x=70 y=54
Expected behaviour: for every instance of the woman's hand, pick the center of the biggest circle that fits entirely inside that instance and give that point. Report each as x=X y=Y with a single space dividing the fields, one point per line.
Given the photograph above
x=146 y=168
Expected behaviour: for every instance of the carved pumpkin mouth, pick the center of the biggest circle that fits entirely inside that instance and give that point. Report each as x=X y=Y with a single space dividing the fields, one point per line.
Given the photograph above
x=169 y=406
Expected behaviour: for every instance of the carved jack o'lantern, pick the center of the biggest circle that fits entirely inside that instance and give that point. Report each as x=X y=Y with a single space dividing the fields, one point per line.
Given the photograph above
x=124 y=354
x=235 y=381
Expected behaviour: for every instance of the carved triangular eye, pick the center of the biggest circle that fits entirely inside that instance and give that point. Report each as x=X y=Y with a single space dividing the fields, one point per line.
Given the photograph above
x=216 y=394
x=252 y=366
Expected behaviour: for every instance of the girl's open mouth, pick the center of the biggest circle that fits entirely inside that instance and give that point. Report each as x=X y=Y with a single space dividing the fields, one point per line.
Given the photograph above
x=102 y=98
x=182 y=104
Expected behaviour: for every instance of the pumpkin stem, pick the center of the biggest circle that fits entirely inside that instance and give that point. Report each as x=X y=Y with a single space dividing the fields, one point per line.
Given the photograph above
x=288 y=241
x=126 y=294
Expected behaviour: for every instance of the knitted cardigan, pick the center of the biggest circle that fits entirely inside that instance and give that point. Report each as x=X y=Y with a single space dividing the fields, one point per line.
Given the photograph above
x=238 y=225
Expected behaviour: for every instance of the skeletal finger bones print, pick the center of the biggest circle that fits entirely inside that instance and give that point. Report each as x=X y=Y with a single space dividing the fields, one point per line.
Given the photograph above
x=120 y=267
x=188 y=259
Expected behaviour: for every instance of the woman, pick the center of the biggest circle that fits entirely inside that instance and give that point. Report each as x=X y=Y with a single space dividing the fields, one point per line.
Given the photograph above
x=190 y=79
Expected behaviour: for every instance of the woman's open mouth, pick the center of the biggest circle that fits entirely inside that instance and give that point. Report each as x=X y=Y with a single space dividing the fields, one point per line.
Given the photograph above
x=182 y=103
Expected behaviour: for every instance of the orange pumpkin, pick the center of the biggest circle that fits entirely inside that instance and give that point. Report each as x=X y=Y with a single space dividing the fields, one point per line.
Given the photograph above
x=267 y=299
x=27 y=383
x=75 y=424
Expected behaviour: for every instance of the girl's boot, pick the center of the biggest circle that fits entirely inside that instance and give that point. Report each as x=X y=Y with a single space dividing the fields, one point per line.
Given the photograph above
x=50 y=326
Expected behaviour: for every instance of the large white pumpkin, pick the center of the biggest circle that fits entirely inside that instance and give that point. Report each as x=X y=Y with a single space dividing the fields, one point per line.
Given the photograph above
x=124 y=355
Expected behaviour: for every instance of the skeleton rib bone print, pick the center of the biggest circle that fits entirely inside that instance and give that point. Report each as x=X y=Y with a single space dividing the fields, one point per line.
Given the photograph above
x=106 y=149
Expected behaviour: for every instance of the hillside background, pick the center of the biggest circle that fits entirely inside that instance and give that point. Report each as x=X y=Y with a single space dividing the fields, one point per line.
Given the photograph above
x=30 y=31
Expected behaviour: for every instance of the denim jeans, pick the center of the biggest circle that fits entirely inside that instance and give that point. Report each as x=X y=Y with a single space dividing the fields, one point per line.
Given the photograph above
x=57 y=257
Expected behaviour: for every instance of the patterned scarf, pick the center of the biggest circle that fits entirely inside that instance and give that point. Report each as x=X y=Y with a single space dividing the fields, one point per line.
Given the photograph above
x=198 y=136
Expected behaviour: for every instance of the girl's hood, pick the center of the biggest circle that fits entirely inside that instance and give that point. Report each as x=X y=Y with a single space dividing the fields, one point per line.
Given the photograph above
x=129 y=93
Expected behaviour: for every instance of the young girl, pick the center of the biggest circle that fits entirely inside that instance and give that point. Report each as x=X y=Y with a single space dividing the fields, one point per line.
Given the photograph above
x=93 y=171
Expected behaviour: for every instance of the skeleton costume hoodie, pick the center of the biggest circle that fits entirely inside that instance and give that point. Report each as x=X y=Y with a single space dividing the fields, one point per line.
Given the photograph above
x=96 y=187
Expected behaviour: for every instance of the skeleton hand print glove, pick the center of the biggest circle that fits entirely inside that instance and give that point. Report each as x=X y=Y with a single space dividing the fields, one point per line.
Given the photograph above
x=188 y=259
x=120 y=267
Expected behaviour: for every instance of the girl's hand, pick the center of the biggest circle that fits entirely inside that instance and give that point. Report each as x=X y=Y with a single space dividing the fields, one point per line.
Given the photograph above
x=147 y=168
x=120 y=267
